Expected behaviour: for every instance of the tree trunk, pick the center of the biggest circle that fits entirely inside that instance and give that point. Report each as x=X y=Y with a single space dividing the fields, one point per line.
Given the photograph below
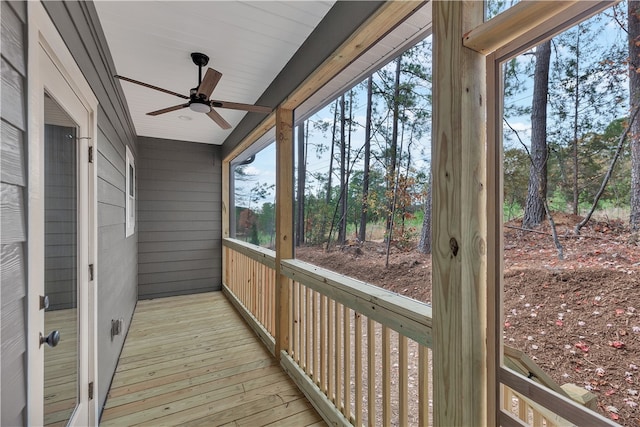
x=391 y=172
x=328 y=195
x=576 y=106
x=342 y=229
x=333 y=143
x=534 y=210
x=634 y=101
x=367 y=160
x=424 y=245
x=348 y=168
x=301 y=184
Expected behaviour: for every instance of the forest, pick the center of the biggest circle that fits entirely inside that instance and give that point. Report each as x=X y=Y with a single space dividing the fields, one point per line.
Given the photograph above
x=570 y=144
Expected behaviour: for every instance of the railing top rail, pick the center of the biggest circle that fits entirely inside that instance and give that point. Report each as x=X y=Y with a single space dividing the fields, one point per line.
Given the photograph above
x=258 y=253
x=405 y=315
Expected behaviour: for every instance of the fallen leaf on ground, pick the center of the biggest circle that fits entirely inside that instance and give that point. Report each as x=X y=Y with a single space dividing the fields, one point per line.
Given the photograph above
x=582 y=346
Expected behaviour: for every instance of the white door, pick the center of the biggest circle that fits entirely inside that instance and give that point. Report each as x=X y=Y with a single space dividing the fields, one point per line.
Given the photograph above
x=62 y=240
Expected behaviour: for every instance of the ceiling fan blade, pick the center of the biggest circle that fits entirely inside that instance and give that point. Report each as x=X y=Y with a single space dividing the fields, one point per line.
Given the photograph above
x=211 y=79
x=243 y=107
x=216 y=117
x=170 y=92
x=167 y=110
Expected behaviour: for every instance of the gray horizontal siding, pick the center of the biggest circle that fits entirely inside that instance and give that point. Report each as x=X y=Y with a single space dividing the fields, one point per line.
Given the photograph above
x=12 y=214
x=179 y=218
x=12 y=169
x=79 y=26
x=13 y=263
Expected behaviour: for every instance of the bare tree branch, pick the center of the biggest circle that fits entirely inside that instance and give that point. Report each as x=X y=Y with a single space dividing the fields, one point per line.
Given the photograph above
x=607 y=176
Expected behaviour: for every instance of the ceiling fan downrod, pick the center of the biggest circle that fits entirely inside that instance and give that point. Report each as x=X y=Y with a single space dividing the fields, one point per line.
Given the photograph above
x=201 y=60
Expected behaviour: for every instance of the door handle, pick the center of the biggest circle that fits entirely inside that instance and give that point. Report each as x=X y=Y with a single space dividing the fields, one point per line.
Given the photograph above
x=52 y=339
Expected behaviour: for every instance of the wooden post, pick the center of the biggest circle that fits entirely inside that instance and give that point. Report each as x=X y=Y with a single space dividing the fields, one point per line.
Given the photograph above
x=284 y=222
x=461 y=384
x=226 y=186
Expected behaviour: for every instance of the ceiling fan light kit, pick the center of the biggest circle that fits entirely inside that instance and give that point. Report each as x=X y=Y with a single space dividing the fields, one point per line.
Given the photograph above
x=199 y=106
x=199 y=96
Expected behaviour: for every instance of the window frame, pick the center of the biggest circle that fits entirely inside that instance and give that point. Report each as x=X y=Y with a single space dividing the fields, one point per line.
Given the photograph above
x=130 y=199
x=500 y=45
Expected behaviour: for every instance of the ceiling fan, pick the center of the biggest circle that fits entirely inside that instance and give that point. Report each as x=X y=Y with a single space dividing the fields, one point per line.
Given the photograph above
x=199 y=97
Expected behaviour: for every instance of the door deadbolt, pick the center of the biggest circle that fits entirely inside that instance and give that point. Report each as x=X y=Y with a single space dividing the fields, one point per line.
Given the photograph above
x=44 y=302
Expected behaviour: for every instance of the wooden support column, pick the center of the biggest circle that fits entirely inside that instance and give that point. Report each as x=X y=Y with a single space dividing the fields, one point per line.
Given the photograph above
x=226 y=199
x=226 y=190
x=284 y=222
x=460 y=369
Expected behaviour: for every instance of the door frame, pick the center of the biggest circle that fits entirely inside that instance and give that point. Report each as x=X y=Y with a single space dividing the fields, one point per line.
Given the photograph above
x=44 y=39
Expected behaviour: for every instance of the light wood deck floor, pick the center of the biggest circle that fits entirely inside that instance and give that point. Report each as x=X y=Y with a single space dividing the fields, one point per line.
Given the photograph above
x=191 y=360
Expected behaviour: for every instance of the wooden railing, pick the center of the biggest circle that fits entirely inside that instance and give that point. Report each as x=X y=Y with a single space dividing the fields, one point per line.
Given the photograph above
x=250 y=284
x=361 y=354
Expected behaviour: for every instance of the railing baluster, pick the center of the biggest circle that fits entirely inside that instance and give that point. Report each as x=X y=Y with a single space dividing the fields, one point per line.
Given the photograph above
x=506 y=398
x=296 y=322
x=346 y=318
x=314 y=336
x=523 y=410
x=386 y=377
x=403 y=388
x=537 y=418
x=308 y=333
x=303 y=327
x=358 y=368
x=323 y=345
x=423 y=386
x=331 y=356
x=371 y=373
x=339 y=349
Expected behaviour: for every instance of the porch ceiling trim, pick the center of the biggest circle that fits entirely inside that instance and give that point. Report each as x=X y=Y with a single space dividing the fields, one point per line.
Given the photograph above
x=387 y=17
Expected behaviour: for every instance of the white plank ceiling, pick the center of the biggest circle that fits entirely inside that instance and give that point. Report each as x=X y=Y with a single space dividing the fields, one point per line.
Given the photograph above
x=249 y=42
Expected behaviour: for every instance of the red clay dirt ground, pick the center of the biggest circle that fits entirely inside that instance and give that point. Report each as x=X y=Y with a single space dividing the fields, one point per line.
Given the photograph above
x=579 y=318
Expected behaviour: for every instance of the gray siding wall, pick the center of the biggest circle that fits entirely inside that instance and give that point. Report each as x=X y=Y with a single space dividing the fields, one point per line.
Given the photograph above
x=79 y=26
x=13 y=182
x=179 y=218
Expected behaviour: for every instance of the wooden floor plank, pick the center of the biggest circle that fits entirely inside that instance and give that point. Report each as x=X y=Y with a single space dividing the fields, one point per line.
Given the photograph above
x=212 y=370
x=192 y=360
x=272 y=414
x=261 y=402
x=221 y=357
x=229 y=386
x=185 y=412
